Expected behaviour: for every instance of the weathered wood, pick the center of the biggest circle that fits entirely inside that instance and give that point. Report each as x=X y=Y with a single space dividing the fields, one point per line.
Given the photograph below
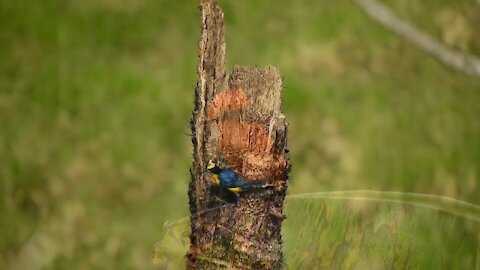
x=240 y=125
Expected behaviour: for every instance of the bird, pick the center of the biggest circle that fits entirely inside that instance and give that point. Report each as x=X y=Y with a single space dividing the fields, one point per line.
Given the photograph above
x=228 y=179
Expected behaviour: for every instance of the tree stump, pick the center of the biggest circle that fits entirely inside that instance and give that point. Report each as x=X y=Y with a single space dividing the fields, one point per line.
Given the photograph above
x=237 y=121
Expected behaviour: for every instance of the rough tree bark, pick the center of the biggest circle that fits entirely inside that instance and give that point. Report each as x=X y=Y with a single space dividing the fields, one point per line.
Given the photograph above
x=237 y=121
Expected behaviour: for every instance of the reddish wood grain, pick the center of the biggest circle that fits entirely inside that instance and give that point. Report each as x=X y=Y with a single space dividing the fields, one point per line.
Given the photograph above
x=227 y=101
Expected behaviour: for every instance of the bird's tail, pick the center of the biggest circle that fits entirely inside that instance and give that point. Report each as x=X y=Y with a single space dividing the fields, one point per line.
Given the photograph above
x=252 y=186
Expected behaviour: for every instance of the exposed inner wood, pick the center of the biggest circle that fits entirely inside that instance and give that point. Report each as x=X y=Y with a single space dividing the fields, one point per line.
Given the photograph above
x=227 y=101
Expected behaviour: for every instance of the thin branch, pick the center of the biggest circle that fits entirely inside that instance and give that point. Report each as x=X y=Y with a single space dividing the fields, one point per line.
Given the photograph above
x=430 y=201
x=461 y=62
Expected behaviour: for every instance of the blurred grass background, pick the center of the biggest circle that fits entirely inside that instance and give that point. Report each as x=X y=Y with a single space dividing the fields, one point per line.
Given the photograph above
x=95 y=98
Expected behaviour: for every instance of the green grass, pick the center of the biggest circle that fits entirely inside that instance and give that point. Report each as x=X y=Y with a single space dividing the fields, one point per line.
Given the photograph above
x=362 y=229
x=95 y=98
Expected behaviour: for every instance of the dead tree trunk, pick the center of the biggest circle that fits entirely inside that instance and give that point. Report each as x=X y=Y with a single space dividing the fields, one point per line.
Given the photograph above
x=240 y=124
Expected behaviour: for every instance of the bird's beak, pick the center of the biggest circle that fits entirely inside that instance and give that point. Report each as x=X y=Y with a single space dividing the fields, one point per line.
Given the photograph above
x=211 y=165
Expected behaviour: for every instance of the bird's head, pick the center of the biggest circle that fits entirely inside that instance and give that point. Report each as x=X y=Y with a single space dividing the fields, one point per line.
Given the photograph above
x=213 y=167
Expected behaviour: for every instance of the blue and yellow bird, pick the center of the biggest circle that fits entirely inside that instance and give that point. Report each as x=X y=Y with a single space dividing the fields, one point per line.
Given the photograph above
x=230 y=180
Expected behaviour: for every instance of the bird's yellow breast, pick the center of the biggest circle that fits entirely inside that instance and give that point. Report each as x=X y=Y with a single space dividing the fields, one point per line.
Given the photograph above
x=216 y=179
